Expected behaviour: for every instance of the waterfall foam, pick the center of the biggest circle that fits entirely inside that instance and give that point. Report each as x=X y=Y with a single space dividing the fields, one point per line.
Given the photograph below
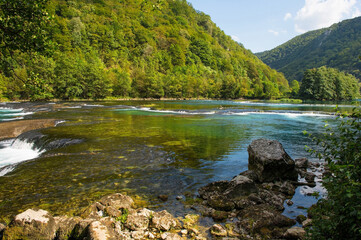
x=14 y=152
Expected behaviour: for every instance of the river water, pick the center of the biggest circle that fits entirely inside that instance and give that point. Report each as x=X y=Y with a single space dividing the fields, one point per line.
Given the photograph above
x=143 y=148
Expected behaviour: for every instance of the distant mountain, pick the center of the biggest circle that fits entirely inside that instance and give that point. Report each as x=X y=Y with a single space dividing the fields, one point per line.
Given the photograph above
x=138 y=48
x=338 y=46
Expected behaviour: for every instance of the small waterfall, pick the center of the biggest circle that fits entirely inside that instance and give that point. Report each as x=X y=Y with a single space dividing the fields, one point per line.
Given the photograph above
x=12 y=153
x=27 y=146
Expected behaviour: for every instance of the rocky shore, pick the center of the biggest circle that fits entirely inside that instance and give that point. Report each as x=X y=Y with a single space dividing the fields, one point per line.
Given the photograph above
x=247 y=207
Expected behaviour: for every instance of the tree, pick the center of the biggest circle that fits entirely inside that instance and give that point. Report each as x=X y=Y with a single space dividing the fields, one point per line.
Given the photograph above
x=338 y=215
x=295 y=86
x=328 y=84
x=22 y=25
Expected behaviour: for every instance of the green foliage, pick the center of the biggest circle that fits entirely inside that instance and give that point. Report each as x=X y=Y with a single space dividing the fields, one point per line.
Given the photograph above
x=23 y=25
x=147 y=49
x=328 y=84
x=123 y=218
x=337 y=47
x=338 y=215
x=295 y=86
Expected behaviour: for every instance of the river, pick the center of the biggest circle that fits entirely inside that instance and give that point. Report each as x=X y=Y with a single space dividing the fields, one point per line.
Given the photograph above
x=143 y=148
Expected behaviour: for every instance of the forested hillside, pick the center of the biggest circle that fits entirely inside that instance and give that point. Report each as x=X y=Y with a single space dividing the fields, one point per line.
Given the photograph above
x=136 y=48
x=337 y=46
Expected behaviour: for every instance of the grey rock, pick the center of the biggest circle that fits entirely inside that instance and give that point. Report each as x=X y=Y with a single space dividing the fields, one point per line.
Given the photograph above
x=310 y=177
x=240 y=186
x=301 y=163
x=295 y=233
x=68 y=227
x=163 y=221
x=258 y=217
x=104 y=229
x=137 y=222
x=118 y=201
x=170 y=236
x=222 y=195
x=32 y=224
x=270 y=162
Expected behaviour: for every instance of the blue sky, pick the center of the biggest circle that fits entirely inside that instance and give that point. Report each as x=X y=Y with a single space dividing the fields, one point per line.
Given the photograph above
x=264 y=24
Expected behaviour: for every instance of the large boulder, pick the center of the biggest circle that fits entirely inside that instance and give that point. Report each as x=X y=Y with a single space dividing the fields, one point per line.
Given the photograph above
x=31 y=224
x=270 y=162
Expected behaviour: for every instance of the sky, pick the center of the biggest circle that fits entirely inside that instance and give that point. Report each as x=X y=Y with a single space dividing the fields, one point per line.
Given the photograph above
x=265 y=24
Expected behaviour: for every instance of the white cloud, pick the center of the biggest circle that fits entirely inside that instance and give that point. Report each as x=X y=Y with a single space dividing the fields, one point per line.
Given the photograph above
x=317 y=14
x=287 y=16
x=274 y=32
x=235 y=38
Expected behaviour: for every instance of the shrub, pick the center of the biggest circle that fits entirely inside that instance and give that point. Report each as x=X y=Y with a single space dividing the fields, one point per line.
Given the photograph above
x=338 y=215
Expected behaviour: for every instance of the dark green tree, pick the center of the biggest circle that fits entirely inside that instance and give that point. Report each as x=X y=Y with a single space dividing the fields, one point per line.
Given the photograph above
x=328 y=84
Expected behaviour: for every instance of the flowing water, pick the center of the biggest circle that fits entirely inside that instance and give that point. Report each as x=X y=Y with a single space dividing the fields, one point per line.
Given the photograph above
x=144 y=148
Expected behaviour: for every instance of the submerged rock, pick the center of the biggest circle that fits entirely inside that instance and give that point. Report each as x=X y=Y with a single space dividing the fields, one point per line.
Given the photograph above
x=270 y=162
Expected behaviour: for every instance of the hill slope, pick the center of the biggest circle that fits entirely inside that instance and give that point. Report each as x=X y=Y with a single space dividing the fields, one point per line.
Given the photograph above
x=337 y=46
x=138 y=48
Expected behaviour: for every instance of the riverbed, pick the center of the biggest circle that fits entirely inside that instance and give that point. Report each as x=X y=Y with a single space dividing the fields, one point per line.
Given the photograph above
x=143 y=148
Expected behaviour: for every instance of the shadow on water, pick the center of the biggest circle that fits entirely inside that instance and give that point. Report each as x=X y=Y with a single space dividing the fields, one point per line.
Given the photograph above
x=146 y=148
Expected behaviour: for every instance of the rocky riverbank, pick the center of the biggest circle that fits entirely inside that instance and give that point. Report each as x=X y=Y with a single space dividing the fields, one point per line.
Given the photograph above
x=247 y=207
x=251 y=204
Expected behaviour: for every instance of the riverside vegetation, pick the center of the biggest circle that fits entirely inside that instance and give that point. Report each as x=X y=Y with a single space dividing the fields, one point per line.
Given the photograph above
x=129 y=48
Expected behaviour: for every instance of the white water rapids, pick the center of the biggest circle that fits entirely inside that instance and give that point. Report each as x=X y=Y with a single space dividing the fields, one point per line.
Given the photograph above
x=15 y=151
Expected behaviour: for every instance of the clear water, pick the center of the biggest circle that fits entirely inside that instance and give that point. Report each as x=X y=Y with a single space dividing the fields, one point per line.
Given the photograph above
x=148 y=148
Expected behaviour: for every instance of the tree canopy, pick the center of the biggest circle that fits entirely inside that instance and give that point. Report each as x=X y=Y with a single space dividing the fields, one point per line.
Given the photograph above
x=328 y=84
x=130 y=48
